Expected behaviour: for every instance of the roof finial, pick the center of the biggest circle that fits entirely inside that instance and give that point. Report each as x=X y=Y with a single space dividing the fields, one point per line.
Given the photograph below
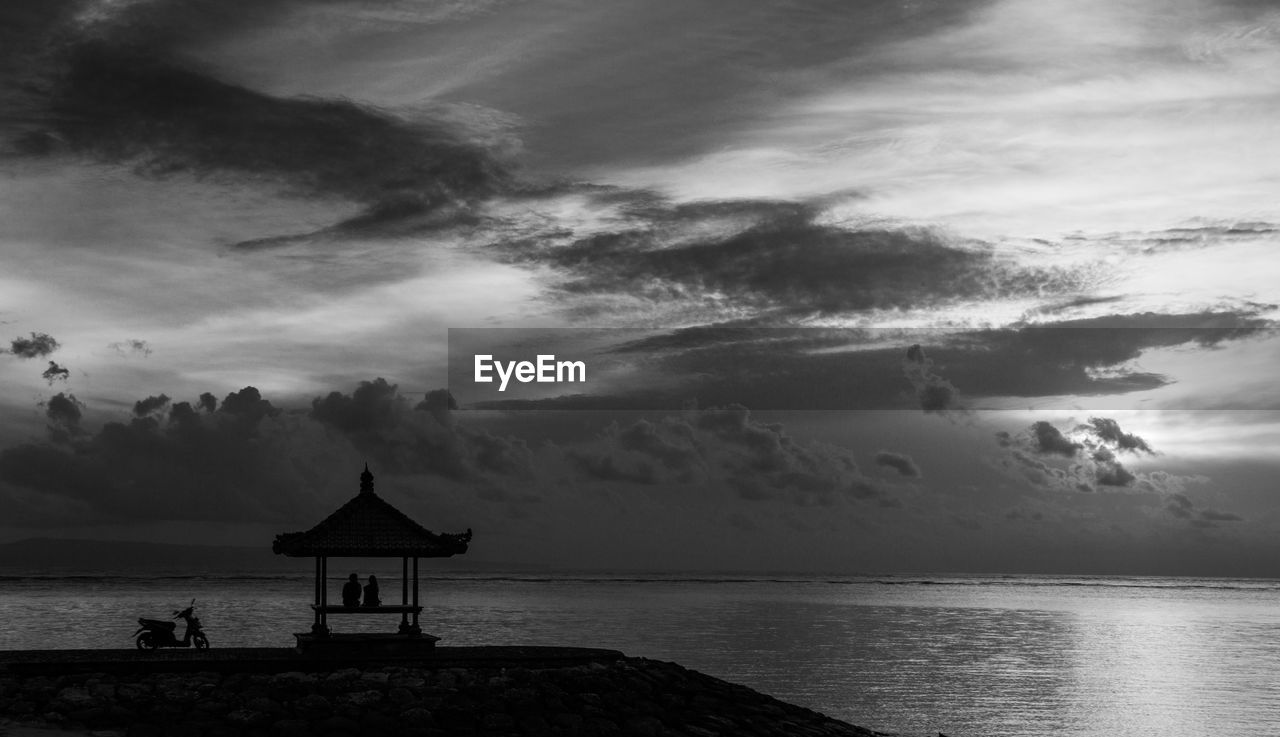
x=366 y=480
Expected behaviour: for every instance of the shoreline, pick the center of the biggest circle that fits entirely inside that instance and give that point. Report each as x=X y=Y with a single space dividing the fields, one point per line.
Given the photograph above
x=495 y=690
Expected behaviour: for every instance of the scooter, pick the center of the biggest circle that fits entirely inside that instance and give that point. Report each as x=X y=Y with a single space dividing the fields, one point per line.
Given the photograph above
x=154 y=633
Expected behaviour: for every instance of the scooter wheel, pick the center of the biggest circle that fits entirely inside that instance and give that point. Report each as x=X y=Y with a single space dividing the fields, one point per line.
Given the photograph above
x=201 y=642
x=146 y=641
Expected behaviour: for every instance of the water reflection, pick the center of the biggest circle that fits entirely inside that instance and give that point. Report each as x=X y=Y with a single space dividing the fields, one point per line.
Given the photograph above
x=965 y=656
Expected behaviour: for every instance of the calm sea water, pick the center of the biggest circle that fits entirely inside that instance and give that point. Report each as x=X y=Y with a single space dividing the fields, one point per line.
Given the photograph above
x=915 y=655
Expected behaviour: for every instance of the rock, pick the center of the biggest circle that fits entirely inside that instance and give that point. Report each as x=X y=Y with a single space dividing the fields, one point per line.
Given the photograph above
x=497 y=722
x=378 y=723
x=417 y=717
x=130 y=691
x=312 y=706
x=336 y=726
x=246 y=718
x=643 y=726
x=361 y=698
x=75 y=697
x=104 y=691
x=568 y=721
x=400 y=695
x=212 y=706
x=631 y=698
x=291 y=728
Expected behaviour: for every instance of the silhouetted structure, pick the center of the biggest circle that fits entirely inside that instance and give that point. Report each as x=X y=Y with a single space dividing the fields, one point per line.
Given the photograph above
x=369 y=527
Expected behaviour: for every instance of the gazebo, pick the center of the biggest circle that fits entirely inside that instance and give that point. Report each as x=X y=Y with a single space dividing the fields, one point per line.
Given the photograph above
x=369 y=527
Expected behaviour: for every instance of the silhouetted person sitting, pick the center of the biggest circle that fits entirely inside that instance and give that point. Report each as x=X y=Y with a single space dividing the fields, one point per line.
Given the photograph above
x=371 y=592
x=351 y=592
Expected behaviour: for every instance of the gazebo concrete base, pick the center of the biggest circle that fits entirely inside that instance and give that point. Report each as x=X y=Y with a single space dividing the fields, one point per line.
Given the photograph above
x=373 y=643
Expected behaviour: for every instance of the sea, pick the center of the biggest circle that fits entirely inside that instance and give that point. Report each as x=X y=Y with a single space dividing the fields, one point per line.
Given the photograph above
x=990 y=656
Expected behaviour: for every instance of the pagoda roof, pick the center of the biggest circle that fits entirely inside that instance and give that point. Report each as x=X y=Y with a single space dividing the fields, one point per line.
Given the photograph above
x=369 y=526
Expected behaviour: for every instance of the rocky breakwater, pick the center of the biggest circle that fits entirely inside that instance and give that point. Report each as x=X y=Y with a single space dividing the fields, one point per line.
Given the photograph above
x=628 y=696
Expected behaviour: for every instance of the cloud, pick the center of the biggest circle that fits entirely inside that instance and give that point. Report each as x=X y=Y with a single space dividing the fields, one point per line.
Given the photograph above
x=766 y=364
x=221 y=466
x=64 y=409
x=247 y=406
x=37 y=346
x=64 y=412
x=727 y=448
x=55 y=373
x=903 y=464
x=1180 y=506
x=778 y=255
x=131 y=347
x=1089 y=452
x=116 y=84
x=379 y=421
x=244 y=459
x=1214 y=515
x=934 y=393
x=1111 y=473
x=1049 y=439
x=150 y=405
x=1108 y=430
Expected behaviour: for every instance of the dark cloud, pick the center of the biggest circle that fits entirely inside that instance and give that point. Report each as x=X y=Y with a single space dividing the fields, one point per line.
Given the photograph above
x=131 y=347
x=371 y=407
x=378 y=420
x=247 y=405
x=756 y=461
x=1089 y=450
x=55 y=373
x=220 y=466
x=674 y=449
x=767 y=366
x=1179 y=506
x=120 y=89
x=1111 y=473
x=208 y=402
x=787 y=259
x=1108 y=430
x=64 y=412
x=441 y=404
x=64 y=409
x=150 y=405
x=900 y=462
x=37 y=346
x=934 y=393
x=1214 y=515
x=245 y=459
x=610 y=468
x=1049 y=439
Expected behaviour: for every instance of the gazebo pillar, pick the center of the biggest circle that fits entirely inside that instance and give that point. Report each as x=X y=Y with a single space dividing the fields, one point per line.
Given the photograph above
x=415 y=629
x=316 y=628
x=404 y=593
x=320 y=628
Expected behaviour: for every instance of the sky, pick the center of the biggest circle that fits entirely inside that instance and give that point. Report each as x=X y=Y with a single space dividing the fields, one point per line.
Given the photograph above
x=878 y=286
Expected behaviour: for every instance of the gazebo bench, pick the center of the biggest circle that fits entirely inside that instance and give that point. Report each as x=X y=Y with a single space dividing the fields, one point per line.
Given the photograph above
x=380 y=609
